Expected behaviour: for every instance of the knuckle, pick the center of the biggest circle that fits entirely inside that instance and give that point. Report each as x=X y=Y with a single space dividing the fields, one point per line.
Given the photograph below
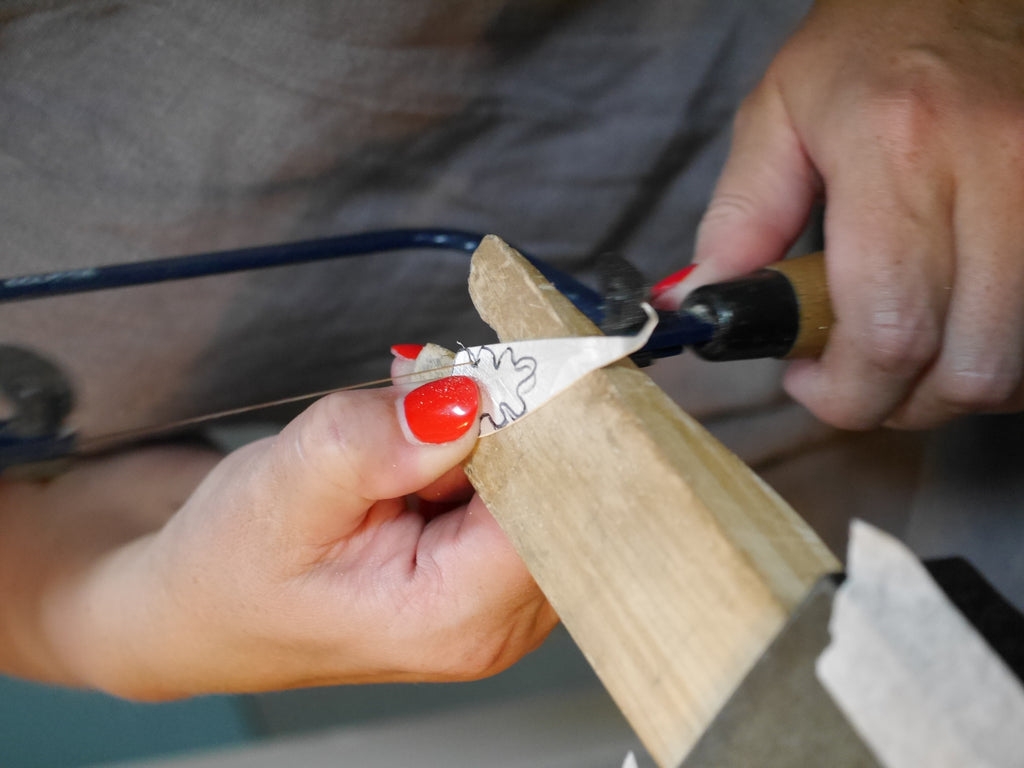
x=906 y=108
x=981 y=387
x=508 y=643
x=727 y=208
x=900 y=340
x=477 y=641
x=487 y=657
x=465 y=651
x=326 y=441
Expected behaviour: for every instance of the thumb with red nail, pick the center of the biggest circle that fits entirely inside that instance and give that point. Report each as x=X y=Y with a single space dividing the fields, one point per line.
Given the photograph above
x=440 y=411
x=349 y=548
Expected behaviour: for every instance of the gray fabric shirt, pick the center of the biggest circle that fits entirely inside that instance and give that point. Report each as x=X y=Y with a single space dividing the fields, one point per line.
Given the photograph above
x=131 y=131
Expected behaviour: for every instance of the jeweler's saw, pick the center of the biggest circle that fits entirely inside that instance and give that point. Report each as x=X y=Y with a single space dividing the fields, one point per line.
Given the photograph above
x=777 y=312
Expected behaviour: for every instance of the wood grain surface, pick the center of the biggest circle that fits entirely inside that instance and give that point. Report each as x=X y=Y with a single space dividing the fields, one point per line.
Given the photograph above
x=669 y=561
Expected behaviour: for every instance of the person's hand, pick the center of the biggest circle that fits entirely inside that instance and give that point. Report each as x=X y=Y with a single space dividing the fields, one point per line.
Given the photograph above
x=343 y=550
x=908 y=116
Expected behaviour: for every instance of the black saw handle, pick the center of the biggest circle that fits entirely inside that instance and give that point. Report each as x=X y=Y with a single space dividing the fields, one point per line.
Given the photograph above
x=781 y=311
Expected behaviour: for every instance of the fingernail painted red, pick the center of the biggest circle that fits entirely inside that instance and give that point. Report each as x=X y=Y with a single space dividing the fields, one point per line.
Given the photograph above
x=671 y=281
x=442 y=410
x=407 y=351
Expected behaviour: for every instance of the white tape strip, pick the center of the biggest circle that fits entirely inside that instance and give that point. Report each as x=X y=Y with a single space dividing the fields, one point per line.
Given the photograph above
x=915 y=679
x=517 y=378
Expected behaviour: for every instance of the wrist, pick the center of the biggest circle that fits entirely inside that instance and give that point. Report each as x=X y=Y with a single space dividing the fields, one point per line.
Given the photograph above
x=101 y=623
x=79 y=580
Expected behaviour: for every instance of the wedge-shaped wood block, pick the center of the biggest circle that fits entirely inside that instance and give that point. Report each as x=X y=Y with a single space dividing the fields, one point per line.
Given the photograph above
x=669 y=561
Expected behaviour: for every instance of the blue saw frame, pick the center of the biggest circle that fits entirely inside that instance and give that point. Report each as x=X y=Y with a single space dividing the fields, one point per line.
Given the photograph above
x=674 y=332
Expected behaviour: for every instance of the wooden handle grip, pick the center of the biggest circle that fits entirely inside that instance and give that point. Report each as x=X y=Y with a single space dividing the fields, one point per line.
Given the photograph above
x=807 y=276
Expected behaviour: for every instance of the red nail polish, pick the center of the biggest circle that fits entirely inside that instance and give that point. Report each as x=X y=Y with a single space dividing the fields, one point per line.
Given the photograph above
x=671 y=281
x=407 y=351
x=442 y=410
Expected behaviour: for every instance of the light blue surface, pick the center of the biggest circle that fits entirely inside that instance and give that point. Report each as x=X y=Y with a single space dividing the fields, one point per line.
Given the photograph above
x=49 y=727
x=45 y=727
